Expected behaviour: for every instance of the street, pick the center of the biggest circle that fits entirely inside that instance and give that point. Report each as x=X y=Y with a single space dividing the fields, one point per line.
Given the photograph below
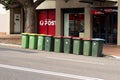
x=26 y=64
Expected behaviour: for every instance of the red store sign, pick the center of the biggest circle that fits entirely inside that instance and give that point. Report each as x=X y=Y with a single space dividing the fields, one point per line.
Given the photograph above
x=95 y=12
x=46 y=22
x=102 y=11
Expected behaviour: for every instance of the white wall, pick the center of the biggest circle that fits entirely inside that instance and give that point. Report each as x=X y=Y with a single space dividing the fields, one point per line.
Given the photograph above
x=4 y=20
x=47 y=4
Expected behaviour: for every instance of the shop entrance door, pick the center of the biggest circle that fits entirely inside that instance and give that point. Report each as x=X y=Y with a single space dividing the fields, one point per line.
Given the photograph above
x=105 y=26
x=16 y=23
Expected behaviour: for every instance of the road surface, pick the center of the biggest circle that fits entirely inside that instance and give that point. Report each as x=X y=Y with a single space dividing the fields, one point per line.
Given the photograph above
x=25 y=64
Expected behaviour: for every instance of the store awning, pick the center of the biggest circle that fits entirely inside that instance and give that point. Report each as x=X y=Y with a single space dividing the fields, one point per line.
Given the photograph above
x=86 y=1
x=92 y=1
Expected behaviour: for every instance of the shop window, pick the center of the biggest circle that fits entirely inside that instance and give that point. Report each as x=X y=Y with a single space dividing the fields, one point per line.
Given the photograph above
x=73 y=21
x=105 y=25
x=73 y=24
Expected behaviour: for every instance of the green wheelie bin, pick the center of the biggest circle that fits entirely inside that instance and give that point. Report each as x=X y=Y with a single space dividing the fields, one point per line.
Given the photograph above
x=41 y=42
x=68 y=44
x=25 y=40
x=77 y=46
x=33 y=41
x=49 y=43
x=87 y=46
x=58 y=44
x=97 y=47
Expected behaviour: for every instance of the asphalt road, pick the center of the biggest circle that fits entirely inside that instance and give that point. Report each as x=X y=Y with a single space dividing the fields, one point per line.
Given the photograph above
x=25 y=64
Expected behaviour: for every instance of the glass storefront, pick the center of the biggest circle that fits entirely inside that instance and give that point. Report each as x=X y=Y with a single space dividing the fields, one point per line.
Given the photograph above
x=105 y=25
x=73 y=22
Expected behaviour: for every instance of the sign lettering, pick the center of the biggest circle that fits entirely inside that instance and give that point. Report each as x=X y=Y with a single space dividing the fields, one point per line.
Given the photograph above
x=48 y=22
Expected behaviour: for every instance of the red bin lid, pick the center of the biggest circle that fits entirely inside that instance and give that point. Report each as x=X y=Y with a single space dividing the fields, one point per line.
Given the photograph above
x=67 y=37
x=87 y=39
x=77 y=38
x=49 y=35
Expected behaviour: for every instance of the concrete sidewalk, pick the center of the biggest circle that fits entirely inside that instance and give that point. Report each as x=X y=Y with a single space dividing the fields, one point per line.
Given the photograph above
x=111 y=50
x=10 y=39
x=108 y=50
x=15 y=41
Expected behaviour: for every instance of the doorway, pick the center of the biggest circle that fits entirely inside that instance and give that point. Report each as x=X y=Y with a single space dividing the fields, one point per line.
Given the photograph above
x=16 y=23
x=105 y=27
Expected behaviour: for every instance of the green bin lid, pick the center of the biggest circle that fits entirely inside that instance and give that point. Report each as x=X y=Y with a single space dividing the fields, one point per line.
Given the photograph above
x=58 y=36
x=98 y=39
x=33 y=34
x=25 y=33
x=41 y=34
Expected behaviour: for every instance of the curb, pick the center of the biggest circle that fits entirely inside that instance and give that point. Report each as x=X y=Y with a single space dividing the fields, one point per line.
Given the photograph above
x=19 y=46
x=116 y=57
x=10 y=45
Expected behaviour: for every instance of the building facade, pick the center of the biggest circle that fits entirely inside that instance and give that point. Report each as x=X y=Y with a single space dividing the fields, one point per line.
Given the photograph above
x=46 y=17
x=89 y=19
x=80 y=18
x=4 y=20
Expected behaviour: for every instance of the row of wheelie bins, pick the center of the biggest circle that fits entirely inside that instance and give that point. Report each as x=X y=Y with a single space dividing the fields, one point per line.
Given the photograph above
x=75 y=45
